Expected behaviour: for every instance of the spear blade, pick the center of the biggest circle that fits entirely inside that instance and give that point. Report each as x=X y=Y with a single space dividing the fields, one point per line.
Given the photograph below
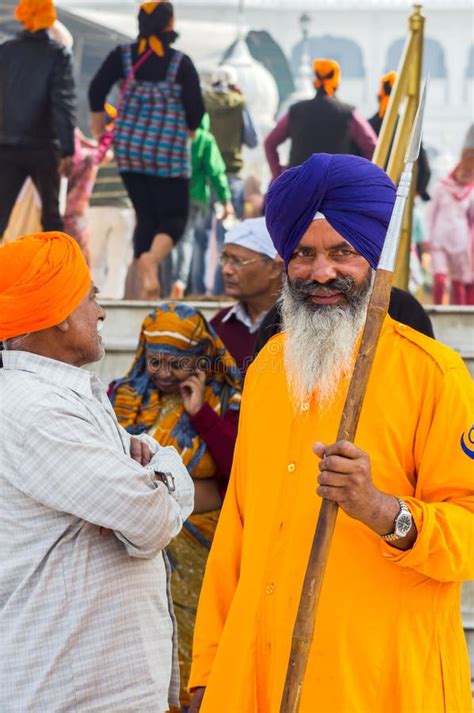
x=413 y=150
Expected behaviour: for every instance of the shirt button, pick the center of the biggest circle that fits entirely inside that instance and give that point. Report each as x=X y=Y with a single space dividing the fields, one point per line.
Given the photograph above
x=305 y=407
x=291 y=467
x=269 y=589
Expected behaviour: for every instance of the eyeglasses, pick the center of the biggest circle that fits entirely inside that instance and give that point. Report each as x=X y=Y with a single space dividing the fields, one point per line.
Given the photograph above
x=236 y=262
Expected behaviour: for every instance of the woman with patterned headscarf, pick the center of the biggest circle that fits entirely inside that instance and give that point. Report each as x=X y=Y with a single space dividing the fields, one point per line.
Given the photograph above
x=161 y=103
x=184 y=389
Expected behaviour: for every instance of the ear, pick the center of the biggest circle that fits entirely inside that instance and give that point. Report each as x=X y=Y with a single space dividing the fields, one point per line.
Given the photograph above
x=63 y=326
x=277 y=267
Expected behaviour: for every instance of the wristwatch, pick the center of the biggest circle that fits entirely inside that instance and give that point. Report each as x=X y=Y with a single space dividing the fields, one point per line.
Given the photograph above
x=166 y=478
x=403 y=524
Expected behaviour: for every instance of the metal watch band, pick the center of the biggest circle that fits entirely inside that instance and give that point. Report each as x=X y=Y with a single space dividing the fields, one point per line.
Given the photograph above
x=392 y=536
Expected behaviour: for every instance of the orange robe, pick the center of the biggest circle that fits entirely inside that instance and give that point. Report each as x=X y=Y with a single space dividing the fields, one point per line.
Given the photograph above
x=388 y=635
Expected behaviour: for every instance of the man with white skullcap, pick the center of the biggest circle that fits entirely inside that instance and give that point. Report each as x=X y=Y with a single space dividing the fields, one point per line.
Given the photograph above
x=252 y=272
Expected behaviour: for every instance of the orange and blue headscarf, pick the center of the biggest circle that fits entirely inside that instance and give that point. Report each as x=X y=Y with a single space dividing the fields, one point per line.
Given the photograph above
x=180 y=331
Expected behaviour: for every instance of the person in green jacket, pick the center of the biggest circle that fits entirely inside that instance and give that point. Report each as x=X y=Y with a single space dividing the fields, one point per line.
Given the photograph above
x=188 y=257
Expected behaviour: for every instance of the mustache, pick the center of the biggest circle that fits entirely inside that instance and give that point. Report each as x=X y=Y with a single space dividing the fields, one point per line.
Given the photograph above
x=302 y=289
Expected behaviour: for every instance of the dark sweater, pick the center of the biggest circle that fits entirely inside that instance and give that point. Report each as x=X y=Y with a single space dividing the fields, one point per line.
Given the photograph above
x=321 y=124
x=154 y=69
x=236 y=337
x=219 y=434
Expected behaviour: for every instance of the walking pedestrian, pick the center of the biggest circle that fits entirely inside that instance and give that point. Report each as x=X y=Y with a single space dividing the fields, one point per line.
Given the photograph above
x=161 y=103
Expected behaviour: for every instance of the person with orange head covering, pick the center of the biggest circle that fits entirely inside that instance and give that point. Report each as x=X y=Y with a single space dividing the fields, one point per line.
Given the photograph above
x=328 y=75
x=43 y=279
x=151 y=144
x=423 y=174
x=36 y=14
x=322 y=124
x=386 y=85
x=36 y=127
x=184 y=389
x=85 y=508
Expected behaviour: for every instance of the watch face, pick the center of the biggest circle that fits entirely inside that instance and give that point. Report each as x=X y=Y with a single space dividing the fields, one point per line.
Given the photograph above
x=403 y=524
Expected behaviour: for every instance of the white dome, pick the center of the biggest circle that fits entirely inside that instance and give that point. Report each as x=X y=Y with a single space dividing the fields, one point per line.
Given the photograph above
x=257 y=84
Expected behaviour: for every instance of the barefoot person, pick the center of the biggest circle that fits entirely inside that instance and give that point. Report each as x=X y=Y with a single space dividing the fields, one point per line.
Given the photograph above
x=161 y=105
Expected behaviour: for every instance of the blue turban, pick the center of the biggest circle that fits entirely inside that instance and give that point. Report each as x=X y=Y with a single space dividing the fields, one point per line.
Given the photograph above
x=355 y=196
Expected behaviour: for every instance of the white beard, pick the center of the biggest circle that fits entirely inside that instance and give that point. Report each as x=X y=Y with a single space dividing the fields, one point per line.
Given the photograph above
x=319 y=348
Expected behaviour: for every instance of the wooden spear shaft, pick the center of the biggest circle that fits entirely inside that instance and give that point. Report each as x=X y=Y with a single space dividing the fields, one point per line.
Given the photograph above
x=305 y=619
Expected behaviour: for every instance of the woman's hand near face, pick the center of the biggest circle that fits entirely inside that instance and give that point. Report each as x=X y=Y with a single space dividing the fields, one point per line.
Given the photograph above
x=192 y=392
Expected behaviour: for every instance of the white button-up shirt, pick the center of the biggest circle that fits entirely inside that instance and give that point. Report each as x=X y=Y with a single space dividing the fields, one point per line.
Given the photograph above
x=85 y=619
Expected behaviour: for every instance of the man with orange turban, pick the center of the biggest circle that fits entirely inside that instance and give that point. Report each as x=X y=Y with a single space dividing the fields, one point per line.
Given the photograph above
x=322 y=124
x=85 y=509
x=37 y=113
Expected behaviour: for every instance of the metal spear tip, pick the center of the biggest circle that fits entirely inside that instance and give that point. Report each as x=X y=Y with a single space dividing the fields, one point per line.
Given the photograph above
x=413 y=149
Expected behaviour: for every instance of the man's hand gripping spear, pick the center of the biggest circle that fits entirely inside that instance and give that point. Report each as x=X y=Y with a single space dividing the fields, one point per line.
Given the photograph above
x=376 y=312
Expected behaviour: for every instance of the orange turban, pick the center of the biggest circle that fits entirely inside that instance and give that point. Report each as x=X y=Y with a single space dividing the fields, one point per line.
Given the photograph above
x=386 y=86
x=328 y=75
x=36 y=14
x=43 y=278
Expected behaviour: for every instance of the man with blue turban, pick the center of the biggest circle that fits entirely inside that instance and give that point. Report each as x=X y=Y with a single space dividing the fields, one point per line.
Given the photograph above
x=388 y=634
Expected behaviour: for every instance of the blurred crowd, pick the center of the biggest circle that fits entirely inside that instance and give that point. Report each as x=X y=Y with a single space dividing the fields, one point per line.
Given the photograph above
x=151 y=194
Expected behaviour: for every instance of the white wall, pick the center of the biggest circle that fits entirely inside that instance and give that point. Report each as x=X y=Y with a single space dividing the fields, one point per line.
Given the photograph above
x=450 y=102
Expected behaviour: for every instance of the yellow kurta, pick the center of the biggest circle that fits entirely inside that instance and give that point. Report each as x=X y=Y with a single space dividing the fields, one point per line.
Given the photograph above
x=388 y=636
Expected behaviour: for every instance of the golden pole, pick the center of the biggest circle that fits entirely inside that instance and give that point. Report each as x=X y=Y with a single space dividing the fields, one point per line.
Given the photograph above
x=385 y=142
x=398 y=120
x=408 y=87
x=395 y=166
x=303 y=630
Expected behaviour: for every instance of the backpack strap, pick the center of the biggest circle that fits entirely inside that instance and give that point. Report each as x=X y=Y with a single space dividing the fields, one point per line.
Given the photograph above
x=131 y=74
x=174 y=66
